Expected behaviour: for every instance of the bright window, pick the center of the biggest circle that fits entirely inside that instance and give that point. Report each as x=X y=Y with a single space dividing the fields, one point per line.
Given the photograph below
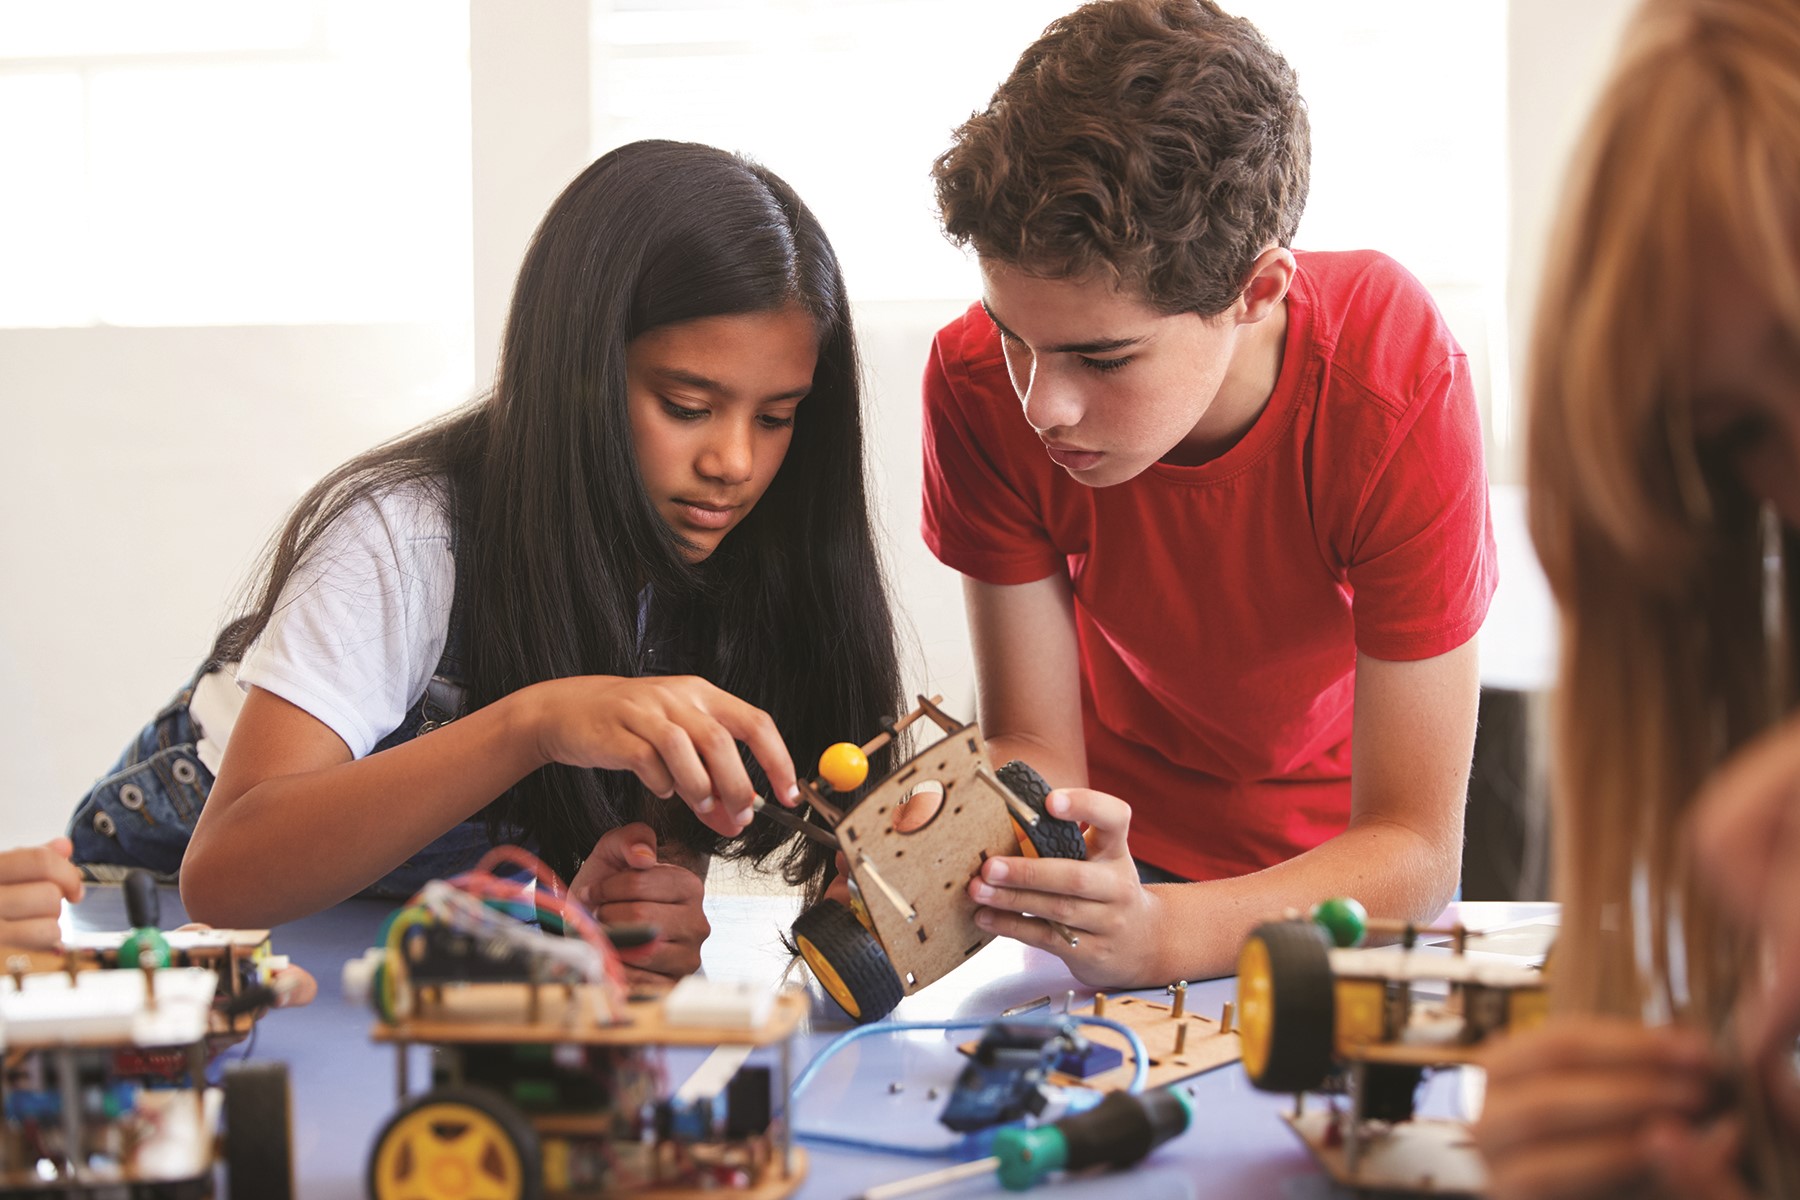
x=202 y=162
x=850 y=100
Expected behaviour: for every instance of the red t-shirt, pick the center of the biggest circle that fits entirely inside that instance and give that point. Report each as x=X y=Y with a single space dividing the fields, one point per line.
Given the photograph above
x=1219 y=607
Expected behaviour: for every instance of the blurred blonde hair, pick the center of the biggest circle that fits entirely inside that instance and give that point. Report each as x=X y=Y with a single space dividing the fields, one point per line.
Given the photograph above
x=1677 y=592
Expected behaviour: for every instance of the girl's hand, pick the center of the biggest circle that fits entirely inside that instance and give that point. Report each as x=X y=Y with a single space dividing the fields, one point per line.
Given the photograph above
x=1112 y=917
x=1747 y=846
x=624 y=883
x=678 y=734
x=1583 y=1108
x=34 y=881
x=839 y=888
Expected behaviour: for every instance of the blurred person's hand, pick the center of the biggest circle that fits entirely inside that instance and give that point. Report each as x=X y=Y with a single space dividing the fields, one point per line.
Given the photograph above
x=34 y=881
x=1591 y=1107
x=1746 y=823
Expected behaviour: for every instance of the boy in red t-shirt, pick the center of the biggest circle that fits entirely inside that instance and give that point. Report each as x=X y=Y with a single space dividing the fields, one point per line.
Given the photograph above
x=1219 y=505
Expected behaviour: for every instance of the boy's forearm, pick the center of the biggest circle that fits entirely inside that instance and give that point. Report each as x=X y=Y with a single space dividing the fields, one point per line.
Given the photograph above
x=1061 y=766
x=294 y=844
x=1394 y=871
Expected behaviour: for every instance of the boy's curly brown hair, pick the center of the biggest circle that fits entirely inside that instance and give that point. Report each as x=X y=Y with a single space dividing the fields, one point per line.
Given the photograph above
x=1162 y=141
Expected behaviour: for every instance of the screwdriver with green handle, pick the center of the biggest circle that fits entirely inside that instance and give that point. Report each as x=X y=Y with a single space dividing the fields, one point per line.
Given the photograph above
x=1117 y=1132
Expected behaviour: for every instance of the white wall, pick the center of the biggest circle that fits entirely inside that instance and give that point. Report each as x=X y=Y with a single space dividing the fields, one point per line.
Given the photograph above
x=529 y=135
x=140 y=472
x=894 y=337
x=1557 y=55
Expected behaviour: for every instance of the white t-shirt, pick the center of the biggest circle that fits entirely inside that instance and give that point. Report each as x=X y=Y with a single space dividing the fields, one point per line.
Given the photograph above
x=360 y=626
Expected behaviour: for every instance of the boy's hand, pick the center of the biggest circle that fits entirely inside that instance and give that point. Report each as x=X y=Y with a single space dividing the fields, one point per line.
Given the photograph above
x=34 y=881
x=623 y=882
x=1585 y=1107
x=1112 y=917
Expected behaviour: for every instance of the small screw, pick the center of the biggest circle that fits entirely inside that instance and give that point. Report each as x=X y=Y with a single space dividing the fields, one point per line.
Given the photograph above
x=932 y=1094
x=896 y=1087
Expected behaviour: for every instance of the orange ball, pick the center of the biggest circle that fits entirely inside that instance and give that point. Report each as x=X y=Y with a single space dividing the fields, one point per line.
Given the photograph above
x=844 y=767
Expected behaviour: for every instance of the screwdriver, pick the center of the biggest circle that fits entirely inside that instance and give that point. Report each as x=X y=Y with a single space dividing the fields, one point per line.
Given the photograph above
x=1117 y=1132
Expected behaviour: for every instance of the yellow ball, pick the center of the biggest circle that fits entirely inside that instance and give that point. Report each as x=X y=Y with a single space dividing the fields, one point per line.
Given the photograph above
x=844 y=767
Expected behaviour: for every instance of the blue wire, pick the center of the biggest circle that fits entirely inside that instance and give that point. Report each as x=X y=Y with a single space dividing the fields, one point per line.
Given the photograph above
x=862 y=1031
x=967 y=1147
x=1140 y=1072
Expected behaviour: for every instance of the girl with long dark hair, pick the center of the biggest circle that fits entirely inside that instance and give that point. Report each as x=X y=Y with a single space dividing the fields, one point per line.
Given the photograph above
x=548 y=614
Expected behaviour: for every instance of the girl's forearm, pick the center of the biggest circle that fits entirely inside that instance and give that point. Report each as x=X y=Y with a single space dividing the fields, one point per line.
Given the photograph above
x=293 y=844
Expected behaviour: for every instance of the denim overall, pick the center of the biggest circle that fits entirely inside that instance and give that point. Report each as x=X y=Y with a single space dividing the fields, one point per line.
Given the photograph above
x=143 y=812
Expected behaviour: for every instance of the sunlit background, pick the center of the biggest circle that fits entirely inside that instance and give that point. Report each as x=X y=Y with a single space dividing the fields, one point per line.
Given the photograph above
x=239 y=243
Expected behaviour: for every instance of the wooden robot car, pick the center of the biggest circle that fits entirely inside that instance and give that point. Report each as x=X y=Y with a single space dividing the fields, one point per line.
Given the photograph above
x=548 y=1079
x=911 y=921
x=1317 y=1014
x=104 y=1089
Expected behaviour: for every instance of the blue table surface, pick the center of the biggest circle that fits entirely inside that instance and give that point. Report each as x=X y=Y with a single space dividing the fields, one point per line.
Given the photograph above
x=344 y=1085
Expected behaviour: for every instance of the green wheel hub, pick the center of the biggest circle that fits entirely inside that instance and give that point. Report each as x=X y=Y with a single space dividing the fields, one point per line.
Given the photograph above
x=1344 y=919
x=141 y=942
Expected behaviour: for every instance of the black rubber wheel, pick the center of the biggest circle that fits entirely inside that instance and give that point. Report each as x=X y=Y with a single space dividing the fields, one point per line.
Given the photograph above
x=1287 y=1006
x=259 y=1131
x=401 y=1159
x=1051 y=837
x=848 y=961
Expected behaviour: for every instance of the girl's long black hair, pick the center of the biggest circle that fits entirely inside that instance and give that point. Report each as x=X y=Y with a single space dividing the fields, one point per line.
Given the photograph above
x=558 y=538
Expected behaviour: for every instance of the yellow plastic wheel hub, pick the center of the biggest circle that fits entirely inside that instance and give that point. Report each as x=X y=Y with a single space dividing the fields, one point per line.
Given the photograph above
x=827 y=976
x=1256 y=1001
x=1026 y=847
x=448 y=1151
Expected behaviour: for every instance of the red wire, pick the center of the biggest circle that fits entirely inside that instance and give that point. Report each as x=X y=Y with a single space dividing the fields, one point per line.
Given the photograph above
x=552 y=897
